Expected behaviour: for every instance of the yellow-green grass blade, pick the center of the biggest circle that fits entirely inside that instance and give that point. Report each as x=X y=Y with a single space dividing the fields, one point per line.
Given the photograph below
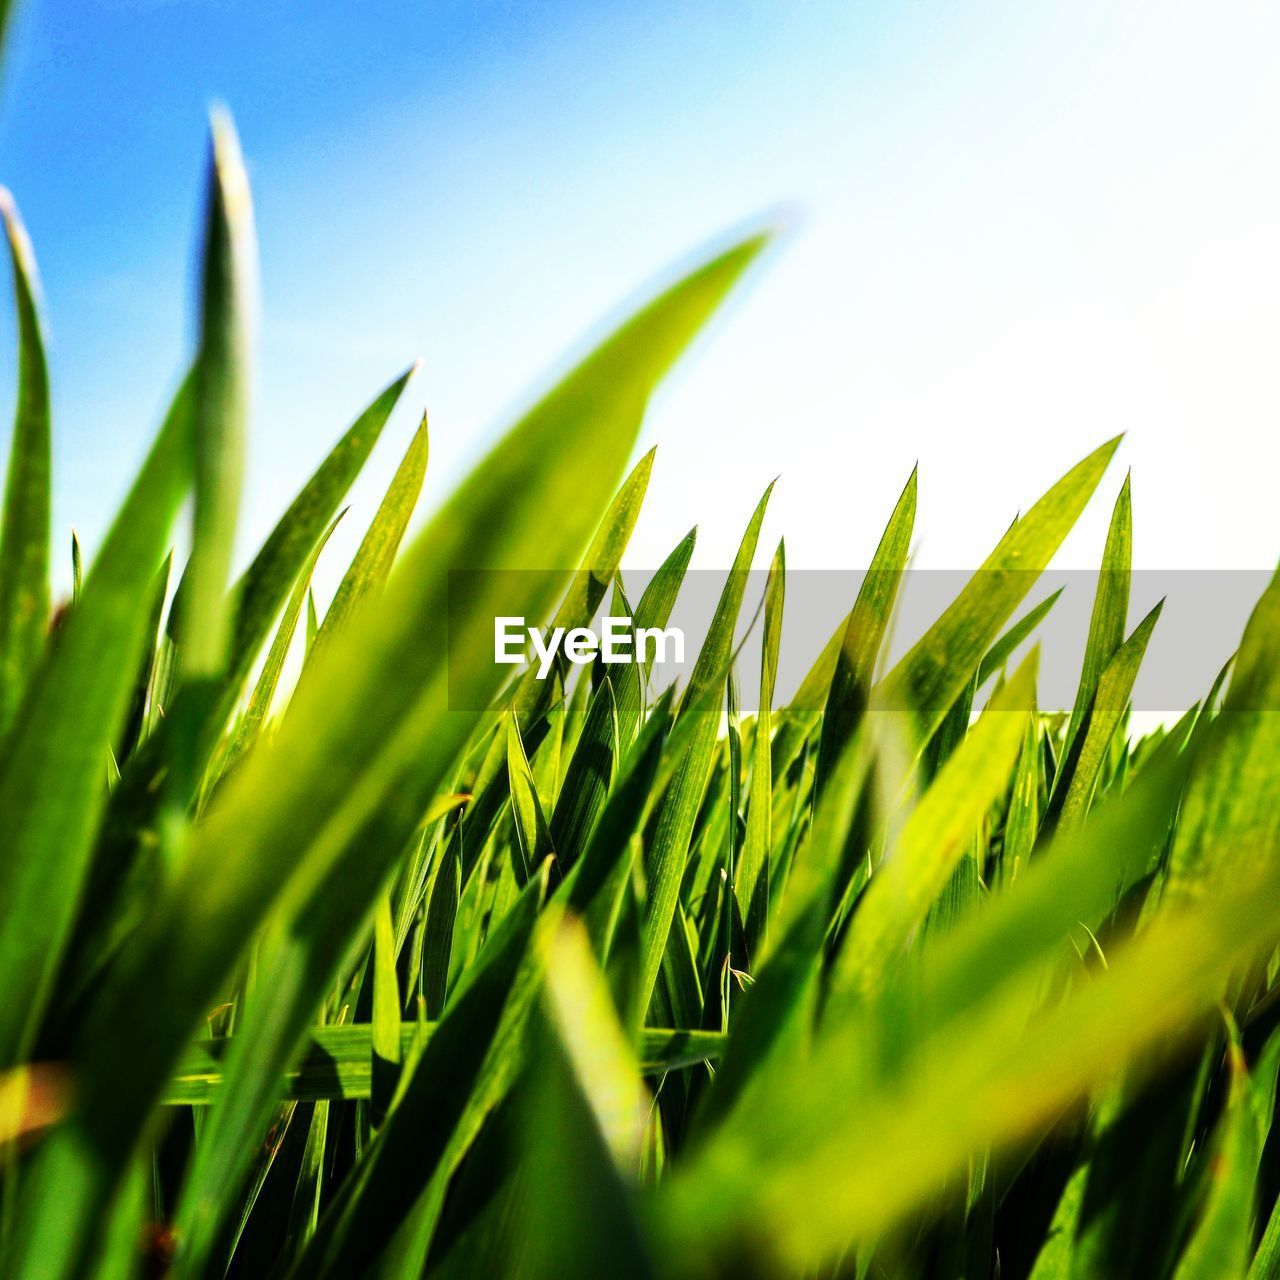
x=932 y=675
x=581 y=1129
x=531 y=698
x=317 y=822
x=51 y=780
x=24 y=529
x=264 y=586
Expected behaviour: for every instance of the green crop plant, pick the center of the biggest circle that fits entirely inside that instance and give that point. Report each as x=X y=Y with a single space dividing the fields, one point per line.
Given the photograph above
x=409 y=967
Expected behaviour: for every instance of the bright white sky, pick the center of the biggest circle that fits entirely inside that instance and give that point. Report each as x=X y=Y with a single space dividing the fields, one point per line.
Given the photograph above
x=1018 y=230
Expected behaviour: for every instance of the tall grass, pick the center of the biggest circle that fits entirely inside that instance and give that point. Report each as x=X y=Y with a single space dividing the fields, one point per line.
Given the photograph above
x=901 y=976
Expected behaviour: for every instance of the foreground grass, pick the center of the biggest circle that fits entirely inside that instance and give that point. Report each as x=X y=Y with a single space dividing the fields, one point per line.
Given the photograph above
x=902 y=977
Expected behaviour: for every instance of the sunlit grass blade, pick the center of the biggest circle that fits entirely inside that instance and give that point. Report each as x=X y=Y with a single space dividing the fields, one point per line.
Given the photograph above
x=372 y=564
x=532 y=834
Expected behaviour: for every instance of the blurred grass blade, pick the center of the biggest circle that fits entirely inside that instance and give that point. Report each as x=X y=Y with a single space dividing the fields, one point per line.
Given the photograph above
x=24 y=531
x=828 y=1162
x=222 y=373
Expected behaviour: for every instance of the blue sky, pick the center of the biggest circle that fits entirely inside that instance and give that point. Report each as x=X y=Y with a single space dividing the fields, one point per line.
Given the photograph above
x=1015 y=231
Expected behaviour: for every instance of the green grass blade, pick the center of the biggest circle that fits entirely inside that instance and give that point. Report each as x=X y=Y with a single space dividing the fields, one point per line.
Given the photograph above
x=254 y=719
x=751 y=883
x=24 y=531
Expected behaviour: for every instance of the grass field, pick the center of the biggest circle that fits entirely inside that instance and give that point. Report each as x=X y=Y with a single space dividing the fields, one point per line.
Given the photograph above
x=903 y=977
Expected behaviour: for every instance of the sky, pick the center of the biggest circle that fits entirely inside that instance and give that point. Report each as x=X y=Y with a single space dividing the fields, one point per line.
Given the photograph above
x=1012 y=231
